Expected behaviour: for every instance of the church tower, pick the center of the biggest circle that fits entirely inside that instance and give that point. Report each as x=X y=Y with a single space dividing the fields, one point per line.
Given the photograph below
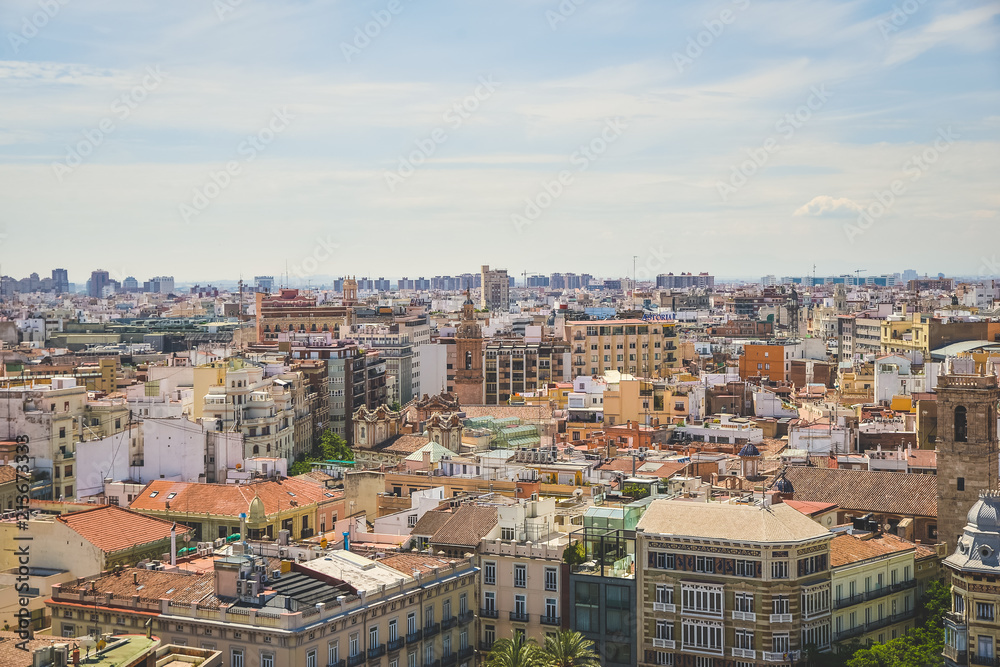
x=350 y=291
x=967 y=460
x=469 y=357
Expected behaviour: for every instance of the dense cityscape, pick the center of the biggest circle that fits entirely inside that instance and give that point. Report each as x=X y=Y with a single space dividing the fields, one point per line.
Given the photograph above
x=680 y=470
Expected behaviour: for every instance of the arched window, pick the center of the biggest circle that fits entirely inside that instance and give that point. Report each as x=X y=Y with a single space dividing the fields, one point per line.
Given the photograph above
x=256 y=449
x=961 y=424
x=468 y=361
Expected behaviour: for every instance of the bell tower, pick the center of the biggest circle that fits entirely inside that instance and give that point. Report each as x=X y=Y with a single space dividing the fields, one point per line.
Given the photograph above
x=967 y=460
x=469 y=357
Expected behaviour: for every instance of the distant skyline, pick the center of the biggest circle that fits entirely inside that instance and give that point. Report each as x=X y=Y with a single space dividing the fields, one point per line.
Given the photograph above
x=206 y=140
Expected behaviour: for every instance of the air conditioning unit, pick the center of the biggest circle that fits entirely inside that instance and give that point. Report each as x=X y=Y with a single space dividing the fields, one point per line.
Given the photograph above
x=282 y=552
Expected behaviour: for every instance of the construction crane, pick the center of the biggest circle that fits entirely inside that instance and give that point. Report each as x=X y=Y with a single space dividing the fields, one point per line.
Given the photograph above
x=857 y=274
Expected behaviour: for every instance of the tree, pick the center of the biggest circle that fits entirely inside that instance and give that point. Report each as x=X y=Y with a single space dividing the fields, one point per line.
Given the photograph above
x=334 y=448
x=516 y=652
x=571 y=649
x=635 y=491
x=921 y=646
x=574 y=554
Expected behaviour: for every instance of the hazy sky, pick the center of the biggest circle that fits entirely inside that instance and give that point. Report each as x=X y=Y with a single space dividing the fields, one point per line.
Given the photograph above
x=213 y=138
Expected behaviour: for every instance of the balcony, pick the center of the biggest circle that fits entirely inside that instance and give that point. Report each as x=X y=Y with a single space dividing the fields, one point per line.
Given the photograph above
x=413 y=637
x=663 y=643
x=489 y=613
x=550 y=620
x=396 y=644
x=989 y=660
x=355 y=660
x=466 y=652
x=448 y=623
x=485 y=646
x=744 y=616
x=376 y=652
x=431 y=629
x=851 y=633
x=781 y=618
x=955 y=655
x=449 y=660
x=903 y=585
x=664 y=606
x=518 y=617
x=466 y=617
x=840 y=603
x=744 y=653
x=790 y=656
x=339 y=663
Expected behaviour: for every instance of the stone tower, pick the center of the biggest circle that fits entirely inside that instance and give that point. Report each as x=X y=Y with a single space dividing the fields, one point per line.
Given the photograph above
x=967 y=460
x=469 y=357
x=350 y=291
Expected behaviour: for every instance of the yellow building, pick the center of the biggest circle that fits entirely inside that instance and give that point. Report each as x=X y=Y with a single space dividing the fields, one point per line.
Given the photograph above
x=637 y=347
x=647 y=402
x=873 y=579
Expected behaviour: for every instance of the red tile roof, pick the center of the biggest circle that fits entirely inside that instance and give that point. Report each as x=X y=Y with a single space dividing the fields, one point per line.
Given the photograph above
x=467 y=527
x=111 y=528
x=846 y=549
x=7 y=474
x=878 y=491
x=407 y=563
x=228 y=499
x=810 y=508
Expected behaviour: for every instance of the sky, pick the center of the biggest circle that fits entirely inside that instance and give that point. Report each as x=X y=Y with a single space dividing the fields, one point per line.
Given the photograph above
x=213 y=139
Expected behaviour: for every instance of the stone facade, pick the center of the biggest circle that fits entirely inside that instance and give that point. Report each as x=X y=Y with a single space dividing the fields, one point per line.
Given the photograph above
x=967 y=447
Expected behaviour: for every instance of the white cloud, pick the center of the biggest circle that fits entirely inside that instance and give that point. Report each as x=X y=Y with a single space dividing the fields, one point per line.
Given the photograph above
x=825 y=206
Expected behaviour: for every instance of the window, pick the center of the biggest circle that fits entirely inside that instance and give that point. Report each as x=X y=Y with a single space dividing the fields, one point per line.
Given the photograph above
x=411 y=521
x=960 y=484
x=520 y=576
x=489 y=601
x=520 y=605
x=660 y=560
x=489 y=634
x=961 y=424
x=446 y=610
x=550 y=608
x=817 y=635
x=779 y=569
x=780 y=604
x=746 y=568
x=333 y=652
x=704 y=564
x=354 y=645
x=490 y=573
x=664 y=594
x=984 y=611
x=744 y=639
x=236 y=657
x=743 y=602
x=702 y=635
x=411 y=623
x=780 y=643
x=429 y=616
x=814 y=564
x=311 y=658
x=463 y=604
x=373 y=637
x=959 y=604
x=551 y=578
x=506 y=533
x=984 y=647
x=701 y=599
x=664 y=630
x=266 y=660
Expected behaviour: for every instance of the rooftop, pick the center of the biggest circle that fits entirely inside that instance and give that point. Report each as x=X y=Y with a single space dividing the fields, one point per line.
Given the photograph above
x=846 y=548
x=227 y=499
x=732 y=523
x=111 y=528
x=879 y=491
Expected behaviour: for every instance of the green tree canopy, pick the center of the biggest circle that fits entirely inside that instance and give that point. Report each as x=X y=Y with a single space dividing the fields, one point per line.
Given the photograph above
x=516 y=652
x=571 y=649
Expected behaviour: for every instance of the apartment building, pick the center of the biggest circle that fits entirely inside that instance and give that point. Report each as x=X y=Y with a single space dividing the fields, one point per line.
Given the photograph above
x=637 y=347
x=261 y=408
x=769 y=361
x=397 y=349
x=495 y=293
x=292 y=311
x=873 y=578
x=524 y=582
x=722 y=583
x=339 y=610
x=515 y=367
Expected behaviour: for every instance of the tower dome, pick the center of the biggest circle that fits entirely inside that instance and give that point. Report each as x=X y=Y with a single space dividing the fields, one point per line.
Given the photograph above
x=748 y=451
x=784 y=486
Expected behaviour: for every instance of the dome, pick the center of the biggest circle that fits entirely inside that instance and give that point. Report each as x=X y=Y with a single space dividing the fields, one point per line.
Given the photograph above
x=985 y=514
x=256 y=516
x=784 y=486
x=749 y=450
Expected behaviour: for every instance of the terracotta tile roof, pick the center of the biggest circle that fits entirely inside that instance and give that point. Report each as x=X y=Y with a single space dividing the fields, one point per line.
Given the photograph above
x=846 y=549
x=430 y=523
x=922 y=458
x=228 y=499
x=111 y=528
x=12 y=656
x=406 y=445
x=879 y=491
x=407 y=563
x=643 y=468
x=528 y=414
x=7 y=474
x=314 y=476
x=149 y=585
x=467 y=526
